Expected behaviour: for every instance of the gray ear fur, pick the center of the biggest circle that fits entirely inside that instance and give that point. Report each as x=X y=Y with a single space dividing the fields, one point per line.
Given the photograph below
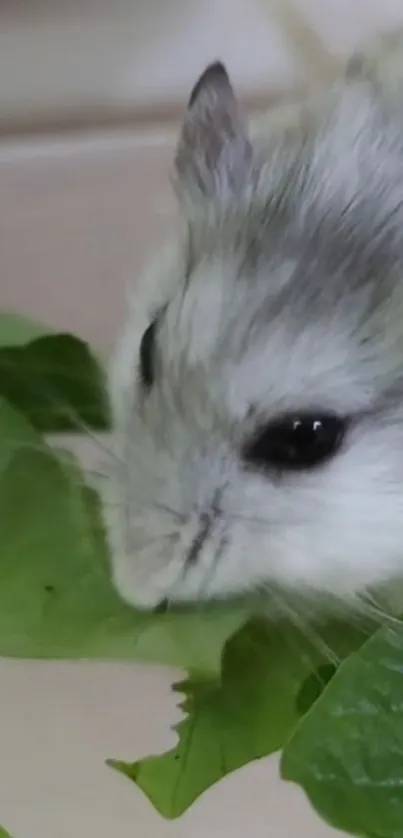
x=214 y=152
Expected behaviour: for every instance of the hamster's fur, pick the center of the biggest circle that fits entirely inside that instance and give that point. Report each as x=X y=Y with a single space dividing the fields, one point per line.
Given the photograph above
x=283 y=294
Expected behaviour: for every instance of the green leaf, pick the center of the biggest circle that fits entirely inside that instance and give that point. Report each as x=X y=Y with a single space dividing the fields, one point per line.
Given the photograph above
x=347 y=752
x=3 y=833
x=15 y=433
x=16 y=330
x=56 y=599
x=52 y=378
x=247 y=715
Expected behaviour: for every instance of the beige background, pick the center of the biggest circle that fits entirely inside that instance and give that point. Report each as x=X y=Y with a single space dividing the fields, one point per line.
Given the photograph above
x=80 y=209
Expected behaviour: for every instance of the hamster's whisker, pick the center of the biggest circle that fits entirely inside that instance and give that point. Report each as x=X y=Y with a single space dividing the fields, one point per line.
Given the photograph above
x=58 y=452
x=91 y=479
x=375 y=611
x=88 y=432
x=63 y=408
x=96 y=473
x=31 y=446
x=254 y=520
x=162 y=507
x=211 y=572
x=306 y=629
x=179 y=517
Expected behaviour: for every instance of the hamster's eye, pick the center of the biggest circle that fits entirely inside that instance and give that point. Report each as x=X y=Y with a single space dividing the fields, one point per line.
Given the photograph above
x=296 y=441
x=147 y=355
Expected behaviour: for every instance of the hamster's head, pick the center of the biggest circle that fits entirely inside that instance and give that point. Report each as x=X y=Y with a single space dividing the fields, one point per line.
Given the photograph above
x=257 y=386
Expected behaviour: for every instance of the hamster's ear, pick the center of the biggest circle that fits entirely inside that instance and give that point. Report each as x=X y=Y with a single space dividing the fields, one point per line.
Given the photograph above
x=214 y=152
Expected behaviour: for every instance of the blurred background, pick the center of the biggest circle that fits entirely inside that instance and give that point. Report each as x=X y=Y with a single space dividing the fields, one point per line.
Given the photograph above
x=91 y=92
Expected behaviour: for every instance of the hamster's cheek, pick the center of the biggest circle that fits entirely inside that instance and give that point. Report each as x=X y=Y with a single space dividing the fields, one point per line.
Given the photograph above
x=338 y=531
x=350 y=540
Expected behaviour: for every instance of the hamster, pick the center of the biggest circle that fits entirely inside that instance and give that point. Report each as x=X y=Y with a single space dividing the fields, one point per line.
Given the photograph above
x=257 y=386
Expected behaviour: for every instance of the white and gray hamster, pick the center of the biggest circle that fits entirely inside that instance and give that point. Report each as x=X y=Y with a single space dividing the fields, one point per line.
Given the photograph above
x=257 y=387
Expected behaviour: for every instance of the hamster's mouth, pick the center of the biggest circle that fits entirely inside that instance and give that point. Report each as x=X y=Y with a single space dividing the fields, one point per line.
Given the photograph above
x=207 y=606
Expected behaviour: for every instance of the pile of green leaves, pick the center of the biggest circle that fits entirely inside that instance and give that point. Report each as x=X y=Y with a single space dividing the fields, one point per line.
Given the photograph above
x=251 y=688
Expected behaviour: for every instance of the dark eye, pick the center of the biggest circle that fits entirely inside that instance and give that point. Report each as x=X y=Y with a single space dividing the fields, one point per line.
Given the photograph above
x=296 y=442
x=147 y=355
